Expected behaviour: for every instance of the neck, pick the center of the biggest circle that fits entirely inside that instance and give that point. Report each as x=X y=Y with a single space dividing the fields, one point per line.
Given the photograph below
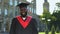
x=23 y=17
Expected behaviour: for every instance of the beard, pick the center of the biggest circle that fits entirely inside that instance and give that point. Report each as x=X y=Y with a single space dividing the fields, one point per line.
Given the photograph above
x=24 y=14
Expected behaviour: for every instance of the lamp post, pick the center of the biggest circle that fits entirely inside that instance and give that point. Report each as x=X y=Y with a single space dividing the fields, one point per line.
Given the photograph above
x=46 y=21
x=43 y=19
x=43 y=24
x=49 y=20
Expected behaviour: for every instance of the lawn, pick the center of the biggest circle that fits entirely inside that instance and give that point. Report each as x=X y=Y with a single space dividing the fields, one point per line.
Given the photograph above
x=49 y=33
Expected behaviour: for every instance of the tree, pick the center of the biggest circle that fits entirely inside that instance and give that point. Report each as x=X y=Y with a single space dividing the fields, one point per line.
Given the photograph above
x=57 y=21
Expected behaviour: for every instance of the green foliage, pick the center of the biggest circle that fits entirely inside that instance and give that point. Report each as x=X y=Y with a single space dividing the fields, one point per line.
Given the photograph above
x=48 y=33
x=57 y=14
x=56 y=18
x=53 y=18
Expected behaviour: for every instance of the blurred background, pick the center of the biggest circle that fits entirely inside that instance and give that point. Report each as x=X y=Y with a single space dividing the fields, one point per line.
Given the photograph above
x=46 y=13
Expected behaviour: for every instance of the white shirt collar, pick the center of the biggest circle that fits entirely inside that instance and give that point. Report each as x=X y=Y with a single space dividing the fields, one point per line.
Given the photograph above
x=24 y=18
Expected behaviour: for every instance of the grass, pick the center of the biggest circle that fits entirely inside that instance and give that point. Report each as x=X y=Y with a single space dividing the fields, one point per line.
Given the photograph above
x=49 y=33
x=41 y=33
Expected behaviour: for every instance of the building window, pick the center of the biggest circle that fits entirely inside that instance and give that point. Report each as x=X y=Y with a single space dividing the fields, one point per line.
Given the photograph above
x=29 y=1
x=0 y=0
x=11 y=12
x=11 y=2
x=0 y=11
x=6 y=12
x=15 y=2
x=34 y=11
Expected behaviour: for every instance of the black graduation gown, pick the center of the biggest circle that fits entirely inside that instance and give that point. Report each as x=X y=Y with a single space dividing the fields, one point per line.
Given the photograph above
x=16 y=28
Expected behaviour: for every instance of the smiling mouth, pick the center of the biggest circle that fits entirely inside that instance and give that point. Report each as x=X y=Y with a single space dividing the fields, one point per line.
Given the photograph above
x=23 y=13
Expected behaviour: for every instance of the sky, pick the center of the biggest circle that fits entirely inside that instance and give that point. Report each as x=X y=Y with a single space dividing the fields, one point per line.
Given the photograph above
x=39 y=6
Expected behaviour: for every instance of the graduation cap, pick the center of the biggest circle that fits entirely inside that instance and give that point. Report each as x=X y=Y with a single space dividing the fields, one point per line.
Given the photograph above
x=23 y=5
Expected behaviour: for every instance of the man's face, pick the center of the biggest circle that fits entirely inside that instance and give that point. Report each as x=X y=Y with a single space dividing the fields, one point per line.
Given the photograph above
x=23 y=11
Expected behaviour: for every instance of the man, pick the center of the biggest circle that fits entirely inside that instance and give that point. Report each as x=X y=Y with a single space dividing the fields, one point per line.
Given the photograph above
x=23 y=24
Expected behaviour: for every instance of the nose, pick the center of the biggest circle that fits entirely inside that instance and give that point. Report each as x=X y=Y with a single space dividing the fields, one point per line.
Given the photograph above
x=23 y=9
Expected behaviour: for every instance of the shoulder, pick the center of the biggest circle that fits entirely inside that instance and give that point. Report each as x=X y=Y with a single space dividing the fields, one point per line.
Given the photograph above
x=31 y=17
x=14 y=19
